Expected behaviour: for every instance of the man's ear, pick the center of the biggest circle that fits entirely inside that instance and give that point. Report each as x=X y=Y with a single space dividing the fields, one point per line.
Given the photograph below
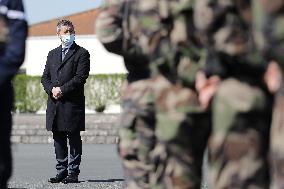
x=58 y=33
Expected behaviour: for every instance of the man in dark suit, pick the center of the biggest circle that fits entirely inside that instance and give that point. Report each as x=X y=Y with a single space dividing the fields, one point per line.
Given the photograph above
x=66 y=70
x=13 y=34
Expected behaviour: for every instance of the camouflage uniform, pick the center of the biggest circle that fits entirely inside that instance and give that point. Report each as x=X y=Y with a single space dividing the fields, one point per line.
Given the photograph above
x=136 y=133
x=272 y=28
x=276 y=142
x=182 y=131
x=241 y=108
x=183 y=126
x=162 y=33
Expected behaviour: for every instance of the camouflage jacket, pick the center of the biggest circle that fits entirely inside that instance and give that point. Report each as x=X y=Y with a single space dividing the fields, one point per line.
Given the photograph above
x=230 y=37
x=272 y=12
x=160 y=32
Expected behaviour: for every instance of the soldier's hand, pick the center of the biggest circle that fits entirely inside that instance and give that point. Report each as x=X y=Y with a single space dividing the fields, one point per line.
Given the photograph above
x=273 y=77
x=206 y=88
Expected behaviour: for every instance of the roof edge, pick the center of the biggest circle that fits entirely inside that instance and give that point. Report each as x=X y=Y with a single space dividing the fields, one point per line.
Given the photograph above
x=64 y=16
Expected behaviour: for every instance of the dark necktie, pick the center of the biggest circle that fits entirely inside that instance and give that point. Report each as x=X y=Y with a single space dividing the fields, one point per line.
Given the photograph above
x=64 y=50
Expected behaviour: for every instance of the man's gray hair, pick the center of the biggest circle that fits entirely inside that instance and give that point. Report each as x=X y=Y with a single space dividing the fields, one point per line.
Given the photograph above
x=63 y=22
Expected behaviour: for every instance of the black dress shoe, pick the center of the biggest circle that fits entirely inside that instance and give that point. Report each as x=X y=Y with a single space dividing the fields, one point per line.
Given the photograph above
x=70 y=179
x=57 y=178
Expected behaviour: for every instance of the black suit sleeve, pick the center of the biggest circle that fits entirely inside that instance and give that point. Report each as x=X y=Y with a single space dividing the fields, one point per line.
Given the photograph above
x=81 y=75
x=46 y=79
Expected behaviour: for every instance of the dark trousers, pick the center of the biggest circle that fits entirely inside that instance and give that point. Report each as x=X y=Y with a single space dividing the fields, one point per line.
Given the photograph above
x=6 y=100
x=61 y=152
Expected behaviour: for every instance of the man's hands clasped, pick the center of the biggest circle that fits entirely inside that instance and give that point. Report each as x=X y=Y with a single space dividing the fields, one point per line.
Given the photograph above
x=56 y=93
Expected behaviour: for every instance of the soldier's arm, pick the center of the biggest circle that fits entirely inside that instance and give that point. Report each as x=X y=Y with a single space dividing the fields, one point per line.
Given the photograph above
x=109 y=26
x=272 y=29
x=14 y=53
x=227 y=26
x=206 y=18
x=273 y=43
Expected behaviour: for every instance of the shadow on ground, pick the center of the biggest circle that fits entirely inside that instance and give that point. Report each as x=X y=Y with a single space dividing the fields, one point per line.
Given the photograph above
x=107 y=180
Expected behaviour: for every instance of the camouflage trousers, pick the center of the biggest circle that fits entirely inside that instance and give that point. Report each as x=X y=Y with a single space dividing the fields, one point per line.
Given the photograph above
x=182 y=130
x=163 y=147
x=237 y=128
x=136 y=133
x=277 y=142
x=238 y=145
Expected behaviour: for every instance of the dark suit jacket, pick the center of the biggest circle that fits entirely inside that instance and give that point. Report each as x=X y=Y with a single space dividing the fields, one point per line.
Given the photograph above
x=70 y=75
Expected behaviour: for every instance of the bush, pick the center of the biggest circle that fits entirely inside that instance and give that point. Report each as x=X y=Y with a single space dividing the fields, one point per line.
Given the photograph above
x=36 y=97
x=100 y=91
x=29 y=94
x=103 y=90
x=20 y=83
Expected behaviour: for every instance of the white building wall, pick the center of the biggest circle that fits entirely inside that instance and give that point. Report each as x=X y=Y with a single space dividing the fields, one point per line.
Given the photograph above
x=102 y=62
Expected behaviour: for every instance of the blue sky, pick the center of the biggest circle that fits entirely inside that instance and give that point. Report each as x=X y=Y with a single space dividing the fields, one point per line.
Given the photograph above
x=43 y=10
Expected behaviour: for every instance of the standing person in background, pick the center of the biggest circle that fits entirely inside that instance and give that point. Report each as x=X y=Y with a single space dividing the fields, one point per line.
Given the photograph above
x=167 y=151
x=242 y=104
x=66 y=70
x=13 y=34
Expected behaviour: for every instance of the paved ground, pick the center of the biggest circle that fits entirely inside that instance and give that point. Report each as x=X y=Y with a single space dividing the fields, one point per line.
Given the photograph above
x=34 y=164
x=100 y=169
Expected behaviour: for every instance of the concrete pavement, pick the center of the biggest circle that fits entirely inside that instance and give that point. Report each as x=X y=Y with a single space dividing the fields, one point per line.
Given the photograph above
x=35 y=163
x=100 y=168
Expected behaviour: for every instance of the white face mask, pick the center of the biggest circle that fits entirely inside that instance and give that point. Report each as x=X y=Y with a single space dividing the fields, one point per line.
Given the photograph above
x=67 y=39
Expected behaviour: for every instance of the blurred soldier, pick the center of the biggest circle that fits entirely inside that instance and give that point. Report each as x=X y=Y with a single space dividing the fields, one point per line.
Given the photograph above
x=183 y=124
x=273 y=47
x=241 y=108
x=162 y=34
x=138 y=120
x=13 y=33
